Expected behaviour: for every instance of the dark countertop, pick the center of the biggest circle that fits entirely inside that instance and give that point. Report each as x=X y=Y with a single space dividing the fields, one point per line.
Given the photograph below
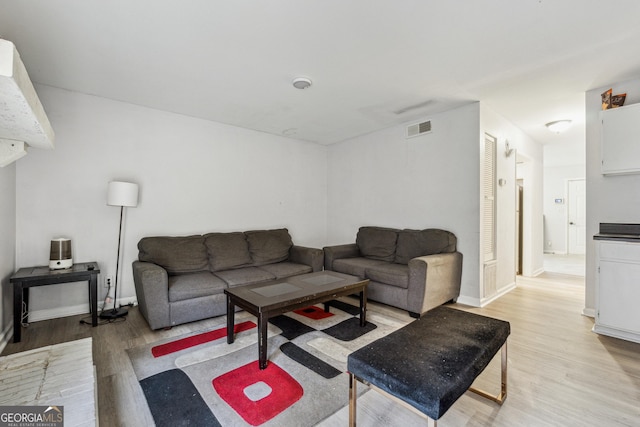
x=619 y=232
x=618 y=237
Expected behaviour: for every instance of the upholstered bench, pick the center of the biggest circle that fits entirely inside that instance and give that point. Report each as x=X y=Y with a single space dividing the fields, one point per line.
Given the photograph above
x=431 y=362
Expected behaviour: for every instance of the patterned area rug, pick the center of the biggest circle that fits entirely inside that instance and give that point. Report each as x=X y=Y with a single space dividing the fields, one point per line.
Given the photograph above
x=199 y=379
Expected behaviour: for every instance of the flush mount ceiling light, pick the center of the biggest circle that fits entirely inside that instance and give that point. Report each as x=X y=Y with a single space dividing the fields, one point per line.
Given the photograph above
x=301 y=82
x=558 y=126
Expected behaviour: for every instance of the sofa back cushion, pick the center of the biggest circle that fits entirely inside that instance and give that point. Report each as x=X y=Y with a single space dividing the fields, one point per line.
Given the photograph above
x=227 y=250
x=269 y=246
x=415 y=243
x=176 y=254
x=377 y=242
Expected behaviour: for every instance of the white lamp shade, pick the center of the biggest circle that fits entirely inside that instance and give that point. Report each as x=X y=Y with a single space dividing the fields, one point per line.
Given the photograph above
x=122 y=194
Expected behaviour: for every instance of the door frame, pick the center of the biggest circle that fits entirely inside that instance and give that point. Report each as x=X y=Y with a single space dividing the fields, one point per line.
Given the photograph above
x=568 y=209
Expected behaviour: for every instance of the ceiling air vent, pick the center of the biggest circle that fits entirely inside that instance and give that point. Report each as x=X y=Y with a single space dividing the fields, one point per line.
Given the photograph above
x=419 y=129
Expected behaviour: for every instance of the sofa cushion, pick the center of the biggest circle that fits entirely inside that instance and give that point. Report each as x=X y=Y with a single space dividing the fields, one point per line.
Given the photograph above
x=175 y=254
x=244 y=276
x=193 y=285
x=415 y=243
x=286 y=269
x=377 y=243
x=355 y=266
x=227 y=250
x=269 y=246
x=389 y=274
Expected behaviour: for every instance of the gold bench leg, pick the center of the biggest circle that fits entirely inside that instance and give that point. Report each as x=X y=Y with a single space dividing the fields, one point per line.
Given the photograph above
x=353 y=395
x=503 y=386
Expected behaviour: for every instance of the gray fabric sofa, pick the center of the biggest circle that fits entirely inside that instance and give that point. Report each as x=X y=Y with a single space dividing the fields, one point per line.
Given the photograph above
x=182 y=279
x=415 y=270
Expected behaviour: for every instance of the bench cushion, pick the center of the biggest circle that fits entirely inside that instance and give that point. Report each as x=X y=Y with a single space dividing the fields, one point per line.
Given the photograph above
x=432 y=361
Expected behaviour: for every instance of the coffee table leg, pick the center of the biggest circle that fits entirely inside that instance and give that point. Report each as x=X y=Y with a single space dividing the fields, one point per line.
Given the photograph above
x=231 y=311
x=363 y=306
x=262 y=341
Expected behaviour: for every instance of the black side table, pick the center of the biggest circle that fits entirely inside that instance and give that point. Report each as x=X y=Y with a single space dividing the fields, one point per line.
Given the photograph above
x=27 y=277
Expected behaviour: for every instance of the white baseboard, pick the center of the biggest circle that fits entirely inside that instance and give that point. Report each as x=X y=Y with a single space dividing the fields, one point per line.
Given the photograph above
x=589 y=312
x=498 y=294
x=470 y=301
x=538 y=272
x=477 y=302
x=617 y=333
x=54 y=313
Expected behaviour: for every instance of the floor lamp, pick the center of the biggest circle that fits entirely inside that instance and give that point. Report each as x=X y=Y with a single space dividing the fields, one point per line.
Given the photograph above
x=120 y=194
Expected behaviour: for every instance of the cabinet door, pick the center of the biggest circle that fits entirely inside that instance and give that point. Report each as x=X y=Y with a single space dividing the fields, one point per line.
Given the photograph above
x=619 y=295
x=621 y=140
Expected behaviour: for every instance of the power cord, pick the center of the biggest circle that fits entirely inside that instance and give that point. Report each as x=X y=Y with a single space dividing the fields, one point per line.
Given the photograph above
x=88 y=320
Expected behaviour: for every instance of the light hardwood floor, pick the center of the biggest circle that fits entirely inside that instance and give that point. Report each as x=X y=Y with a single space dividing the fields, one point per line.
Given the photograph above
x=560 y=373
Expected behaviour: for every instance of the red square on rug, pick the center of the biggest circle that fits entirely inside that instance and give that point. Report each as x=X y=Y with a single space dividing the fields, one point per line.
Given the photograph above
x=313 y=312
x=184 y=343
x=258 y=395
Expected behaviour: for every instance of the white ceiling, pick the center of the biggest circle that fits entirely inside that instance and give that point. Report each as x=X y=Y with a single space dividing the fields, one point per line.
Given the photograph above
x=233 y=61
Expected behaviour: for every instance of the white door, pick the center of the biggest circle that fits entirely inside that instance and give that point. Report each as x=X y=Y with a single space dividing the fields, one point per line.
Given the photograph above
x=576 y=216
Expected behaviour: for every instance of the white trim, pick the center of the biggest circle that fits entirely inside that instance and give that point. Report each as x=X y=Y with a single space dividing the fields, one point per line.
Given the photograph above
x=589 y=312
x=47 y=314
x=616 y=333
x=7 y=335
x=538 y=272
x=501 y=292
x=470 y=301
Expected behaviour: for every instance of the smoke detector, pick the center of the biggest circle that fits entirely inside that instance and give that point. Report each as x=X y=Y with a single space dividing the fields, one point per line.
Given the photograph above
x=301 y=83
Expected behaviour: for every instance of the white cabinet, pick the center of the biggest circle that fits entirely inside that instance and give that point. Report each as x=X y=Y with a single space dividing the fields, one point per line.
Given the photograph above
x=621 y=140
x=618 y=290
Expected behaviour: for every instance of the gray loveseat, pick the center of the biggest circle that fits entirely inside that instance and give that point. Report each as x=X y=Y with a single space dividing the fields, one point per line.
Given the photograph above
x=415 y=270
x=182 y=279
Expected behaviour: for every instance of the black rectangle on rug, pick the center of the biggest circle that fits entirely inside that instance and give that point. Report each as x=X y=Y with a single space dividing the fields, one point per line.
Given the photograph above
x=310 y=361
x=174 y=401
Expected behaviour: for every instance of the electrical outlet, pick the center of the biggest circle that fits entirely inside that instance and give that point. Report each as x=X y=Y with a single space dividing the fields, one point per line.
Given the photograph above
x=108 y=281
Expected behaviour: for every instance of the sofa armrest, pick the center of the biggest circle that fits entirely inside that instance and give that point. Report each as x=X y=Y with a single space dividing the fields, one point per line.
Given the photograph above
x=312 y=257
x=152 y=290
x=434 y=280
x=332 y=253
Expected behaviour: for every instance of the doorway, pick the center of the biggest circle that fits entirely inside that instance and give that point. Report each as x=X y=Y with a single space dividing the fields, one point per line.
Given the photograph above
x=519 y=226
x=576 y=217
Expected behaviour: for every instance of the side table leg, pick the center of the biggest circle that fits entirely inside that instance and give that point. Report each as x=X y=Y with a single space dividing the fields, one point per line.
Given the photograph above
x=231 y=311
x=262 y=340
x=93 y=299
x=17 y=311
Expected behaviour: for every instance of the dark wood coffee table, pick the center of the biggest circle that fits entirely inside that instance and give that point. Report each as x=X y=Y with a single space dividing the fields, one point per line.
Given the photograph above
x=269 y=299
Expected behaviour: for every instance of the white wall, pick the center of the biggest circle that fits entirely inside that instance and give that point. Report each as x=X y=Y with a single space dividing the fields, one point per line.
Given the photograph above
x=609 y=198
x=555 y=214
x=529 y=153
x=195 y=176
x=428 y=181
x=7 y=246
